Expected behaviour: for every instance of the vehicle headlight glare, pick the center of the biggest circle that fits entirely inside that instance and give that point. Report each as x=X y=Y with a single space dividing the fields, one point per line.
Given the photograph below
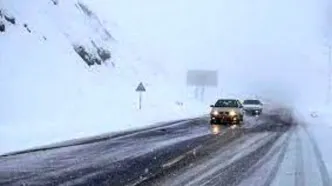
x=232 y=113
x=216 y=129
x=215 y=113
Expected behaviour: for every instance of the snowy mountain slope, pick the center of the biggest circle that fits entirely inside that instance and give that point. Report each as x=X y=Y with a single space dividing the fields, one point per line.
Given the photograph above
x=51 y=90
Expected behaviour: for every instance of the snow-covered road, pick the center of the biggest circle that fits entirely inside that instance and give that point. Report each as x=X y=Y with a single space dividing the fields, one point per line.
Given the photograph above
x=294 y=160
x=265 y=151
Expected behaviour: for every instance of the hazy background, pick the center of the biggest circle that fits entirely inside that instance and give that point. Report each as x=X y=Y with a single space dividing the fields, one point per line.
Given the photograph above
x=274 y=47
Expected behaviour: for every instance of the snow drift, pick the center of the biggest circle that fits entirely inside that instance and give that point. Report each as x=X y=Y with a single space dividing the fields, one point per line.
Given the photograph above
x=63 y=75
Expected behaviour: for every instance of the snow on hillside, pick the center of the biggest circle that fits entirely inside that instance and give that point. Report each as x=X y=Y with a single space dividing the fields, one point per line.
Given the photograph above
x=67 y=73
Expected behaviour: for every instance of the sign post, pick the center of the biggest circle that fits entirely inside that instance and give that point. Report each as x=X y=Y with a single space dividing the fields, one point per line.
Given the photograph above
x=140 y=88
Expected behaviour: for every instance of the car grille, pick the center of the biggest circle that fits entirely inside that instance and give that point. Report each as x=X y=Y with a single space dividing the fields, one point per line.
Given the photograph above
x=224 y=113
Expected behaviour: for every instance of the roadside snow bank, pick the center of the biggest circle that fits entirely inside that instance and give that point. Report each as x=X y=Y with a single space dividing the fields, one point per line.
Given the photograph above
x=318 y=121
x=22 y=136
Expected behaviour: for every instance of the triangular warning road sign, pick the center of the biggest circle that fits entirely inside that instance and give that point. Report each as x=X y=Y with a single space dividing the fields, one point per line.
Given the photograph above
x=140 y=88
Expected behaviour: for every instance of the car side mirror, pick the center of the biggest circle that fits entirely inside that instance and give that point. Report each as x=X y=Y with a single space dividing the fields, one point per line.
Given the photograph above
x=212 y=106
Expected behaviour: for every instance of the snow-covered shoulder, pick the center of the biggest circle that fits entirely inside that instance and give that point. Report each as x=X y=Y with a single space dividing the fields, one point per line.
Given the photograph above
x=318 y=122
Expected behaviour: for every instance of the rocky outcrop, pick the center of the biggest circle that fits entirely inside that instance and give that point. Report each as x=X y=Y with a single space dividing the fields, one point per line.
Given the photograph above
x=2 y=26
x=89 y=58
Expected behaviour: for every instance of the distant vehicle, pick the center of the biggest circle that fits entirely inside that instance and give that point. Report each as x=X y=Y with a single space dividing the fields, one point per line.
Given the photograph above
x=252 y=107
x=227 y=111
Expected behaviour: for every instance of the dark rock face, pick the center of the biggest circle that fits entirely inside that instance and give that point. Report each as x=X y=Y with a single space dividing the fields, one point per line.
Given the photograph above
x=10 y=19
x=55 y=2
x=85 y=9
x=27 y=27
x=2 y=27
x=7 y=16
x=104 y=54
x=87 y=57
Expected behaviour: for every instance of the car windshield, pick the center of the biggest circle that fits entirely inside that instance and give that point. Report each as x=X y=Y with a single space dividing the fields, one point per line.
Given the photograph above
x=227 y=103
x=251 y=102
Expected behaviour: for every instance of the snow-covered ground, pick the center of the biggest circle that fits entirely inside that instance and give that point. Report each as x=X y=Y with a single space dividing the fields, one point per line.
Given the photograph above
x=49 y=93
x=318 y=122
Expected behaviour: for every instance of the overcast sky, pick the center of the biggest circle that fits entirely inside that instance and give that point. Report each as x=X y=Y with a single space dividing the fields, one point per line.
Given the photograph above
x=265 y=47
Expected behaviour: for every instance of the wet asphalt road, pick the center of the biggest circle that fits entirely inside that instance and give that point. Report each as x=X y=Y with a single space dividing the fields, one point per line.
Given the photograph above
x=171 y=154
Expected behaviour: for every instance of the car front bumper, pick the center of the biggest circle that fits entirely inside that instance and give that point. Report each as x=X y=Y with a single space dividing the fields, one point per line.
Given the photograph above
x=253 y=111
x=219 y=119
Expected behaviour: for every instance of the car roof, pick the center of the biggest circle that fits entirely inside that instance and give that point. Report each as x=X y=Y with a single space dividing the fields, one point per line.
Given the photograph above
x=228 y=100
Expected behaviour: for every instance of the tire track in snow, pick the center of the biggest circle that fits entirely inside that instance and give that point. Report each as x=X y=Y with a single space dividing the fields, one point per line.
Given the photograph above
x=116 y=160
x=232 y=154
x=280 y=159
x=209 y=146
x=299 y=168
x=231 y=174
x=267 y=164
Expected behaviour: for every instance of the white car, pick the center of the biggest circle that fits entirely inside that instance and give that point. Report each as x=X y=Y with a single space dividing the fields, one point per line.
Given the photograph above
x=226 y=111
x=252 y=107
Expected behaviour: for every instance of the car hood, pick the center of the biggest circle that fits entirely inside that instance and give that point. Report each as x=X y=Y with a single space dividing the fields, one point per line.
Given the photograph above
x=226 y=109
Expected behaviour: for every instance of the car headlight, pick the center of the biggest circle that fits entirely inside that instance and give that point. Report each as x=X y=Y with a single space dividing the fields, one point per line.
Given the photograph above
x=215 y=113
x=232 y=113
x=215 y=129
